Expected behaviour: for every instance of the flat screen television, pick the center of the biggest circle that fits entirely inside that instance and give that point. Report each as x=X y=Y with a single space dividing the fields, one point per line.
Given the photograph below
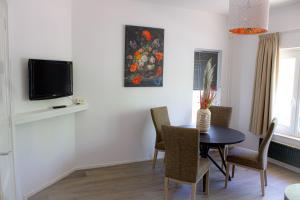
x=49 y=79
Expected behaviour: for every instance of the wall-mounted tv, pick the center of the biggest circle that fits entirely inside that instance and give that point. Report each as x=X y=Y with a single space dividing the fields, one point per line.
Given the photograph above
x=49 y=79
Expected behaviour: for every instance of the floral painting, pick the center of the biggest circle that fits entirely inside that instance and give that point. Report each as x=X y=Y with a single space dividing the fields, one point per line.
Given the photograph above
x=144 y=56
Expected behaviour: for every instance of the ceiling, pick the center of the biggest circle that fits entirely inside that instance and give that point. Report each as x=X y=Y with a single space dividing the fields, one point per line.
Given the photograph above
x=217 y=6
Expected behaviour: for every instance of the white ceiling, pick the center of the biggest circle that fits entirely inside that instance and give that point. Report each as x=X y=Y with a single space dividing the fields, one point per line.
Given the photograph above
x=217 y=6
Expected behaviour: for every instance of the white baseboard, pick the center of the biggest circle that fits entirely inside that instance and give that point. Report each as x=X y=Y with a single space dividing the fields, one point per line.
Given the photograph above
x=49 y=183
x=83 y=167
x=284 y=165
x=86 y=167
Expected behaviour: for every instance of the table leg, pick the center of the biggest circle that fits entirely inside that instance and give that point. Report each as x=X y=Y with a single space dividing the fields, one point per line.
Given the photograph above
x=217 y=165
x=204 y=183
x=223 y=161
x=222 y=157
x=204 y=153
x=204 y=148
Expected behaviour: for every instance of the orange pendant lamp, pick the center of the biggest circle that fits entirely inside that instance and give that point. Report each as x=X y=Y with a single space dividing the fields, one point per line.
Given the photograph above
x=248 y=16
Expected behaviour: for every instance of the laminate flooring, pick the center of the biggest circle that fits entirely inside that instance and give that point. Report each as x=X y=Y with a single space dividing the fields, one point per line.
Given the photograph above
x=138 y=181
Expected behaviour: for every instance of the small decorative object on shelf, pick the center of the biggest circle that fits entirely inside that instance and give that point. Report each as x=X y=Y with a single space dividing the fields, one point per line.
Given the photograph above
x=206 y=98
x=79 y=101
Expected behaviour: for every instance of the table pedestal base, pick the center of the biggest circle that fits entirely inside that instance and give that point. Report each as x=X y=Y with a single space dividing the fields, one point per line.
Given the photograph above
x=204 y=149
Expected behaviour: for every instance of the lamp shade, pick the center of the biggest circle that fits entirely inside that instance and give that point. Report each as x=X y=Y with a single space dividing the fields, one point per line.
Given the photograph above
x=248 y=16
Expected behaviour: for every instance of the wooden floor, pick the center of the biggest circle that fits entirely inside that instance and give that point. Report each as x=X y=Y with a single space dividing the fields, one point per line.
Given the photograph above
x=139 y=181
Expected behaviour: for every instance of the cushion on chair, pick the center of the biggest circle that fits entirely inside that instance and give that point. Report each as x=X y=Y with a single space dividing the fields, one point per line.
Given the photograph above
x=245 y=157
x=160 y=146
x=203 y=167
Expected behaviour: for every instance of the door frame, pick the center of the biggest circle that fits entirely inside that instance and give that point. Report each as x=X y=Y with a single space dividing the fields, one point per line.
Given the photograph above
x=8 y=73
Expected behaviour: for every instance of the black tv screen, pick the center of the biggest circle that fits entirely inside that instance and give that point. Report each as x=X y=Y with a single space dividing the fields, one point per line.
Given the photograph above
x=50 y=79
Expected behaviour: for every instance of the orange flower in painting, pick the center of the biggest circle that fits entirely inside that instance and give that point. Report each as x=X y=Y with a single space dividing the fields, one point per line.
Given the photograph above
x=147 y=35
x=138 y=55
x=133 y=67
x=137 y=80
x=159 y=56
x=159 y=71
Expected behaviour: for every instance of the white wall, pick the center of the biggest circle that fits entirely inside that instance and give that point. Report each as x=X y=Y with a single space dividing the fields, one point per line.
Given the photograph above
x=45 y=152
x=45 y=149
x=38 y=29
x=242 y=61
x=286 y=19
x=117 y=127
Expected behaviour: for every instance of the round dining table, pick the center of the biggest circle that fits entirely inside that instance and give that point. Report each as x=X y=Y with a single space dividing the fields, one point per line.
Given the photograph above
x=217 y=138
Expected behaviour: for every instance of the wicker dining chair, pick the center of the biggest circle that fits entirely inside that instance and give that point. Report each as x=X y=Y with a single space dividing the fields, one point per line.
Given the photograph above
x=256 y=160
x=183 y=164
x=160 y=117
x=221 y=116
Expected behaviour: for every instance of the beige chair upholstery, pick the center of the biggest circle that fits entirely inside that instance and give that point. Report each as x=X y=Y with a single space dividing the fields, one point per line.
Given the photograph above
x=160 y=117
x=183 y=164
x=256 y=160
x=220 y=116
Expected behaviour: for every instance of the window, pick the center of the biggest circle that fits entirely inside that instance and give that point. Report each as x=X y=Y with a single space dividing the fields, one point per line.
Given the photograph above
x=200 y=60
x=287 y=99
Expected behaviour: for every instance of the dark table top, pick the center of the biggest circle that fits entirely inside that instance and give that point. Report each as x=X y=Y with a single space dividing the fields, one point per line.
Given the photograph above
x=218 y=135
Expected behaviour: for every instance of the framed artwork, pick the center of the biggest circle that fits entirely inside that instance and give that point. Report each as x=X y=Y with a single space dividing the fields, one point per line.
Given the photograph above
x=144 y=56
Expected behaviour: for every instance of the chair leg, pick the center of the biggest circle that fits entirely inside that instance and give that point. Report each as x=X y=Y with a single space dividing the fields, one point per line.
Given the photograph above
x=154 y=158
x=266 y=178
x=227 y=175
x=262 y=182
x=204 y=184
x=207 y=183
x=233 y=169
x=225 y=152
x=166 y=187
x=194 y=189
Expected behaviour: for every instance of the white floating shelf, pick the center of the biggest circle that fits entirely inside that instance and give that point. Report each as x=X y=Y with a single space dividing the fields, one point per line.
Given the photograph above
x=28 y=117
